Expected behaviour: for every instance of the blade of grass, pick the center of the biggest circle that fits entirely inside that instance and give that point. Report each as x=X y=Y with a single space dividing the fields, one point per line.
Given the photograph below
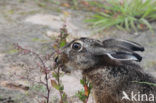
x=153 y=84
x=144 y=21
x=127 y=24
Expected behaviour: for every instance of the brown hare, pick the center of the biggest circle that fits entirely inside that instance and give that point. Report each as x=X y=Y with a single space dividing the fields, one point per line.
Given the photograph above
x=110 y=66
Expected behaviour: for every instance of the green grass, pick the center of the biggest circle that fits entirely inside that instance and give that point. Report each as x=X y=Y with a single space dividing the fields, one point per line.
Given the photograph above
x=152 y=84
x=129 y=14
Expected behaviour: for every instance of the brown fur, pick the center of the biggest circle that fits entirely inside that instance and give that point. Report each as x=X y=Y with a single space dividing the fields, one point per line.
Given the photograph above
x=109 y=82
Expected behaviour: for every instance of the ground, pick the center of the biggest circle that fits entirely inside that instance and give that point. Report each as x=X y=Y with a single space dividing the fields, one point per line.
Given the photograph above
x=31 y=26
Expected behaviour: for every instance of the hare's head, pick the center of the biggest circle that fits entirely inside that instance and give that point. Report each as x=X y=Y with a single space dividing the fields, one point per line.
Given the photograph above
x=85 y=53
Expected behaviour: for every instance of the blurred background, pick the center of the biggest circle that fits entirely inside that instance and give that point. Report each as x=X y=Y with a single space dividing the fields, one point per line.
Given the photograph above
x=35 y=25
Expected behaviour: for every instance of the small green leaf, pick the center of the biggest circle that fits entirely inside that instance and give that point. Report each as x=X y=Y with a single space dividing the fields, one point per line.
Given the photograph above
x=63 y=43
x=64 y=96
x=82 y=81
x=61 y=88
x=81 y=95
x=54 y=75
x=90 y=86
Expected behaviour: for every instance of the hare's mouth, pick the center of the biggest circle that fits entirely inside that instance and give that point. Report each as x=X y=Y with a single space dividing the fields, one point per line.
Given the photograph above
x=65 y=70
x=61 y=62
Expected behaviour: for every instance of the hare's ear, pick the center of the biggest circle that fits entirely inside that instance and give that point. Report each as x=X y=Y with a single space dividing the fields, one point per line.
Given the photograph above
x=122 y=44
x=123 y=56
x=117 y=55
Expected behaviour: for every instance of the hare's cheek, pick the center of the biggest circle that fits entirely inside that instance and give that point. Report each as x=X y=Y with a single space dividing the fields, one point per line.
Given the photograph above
x=84 y=62
x=69 y=67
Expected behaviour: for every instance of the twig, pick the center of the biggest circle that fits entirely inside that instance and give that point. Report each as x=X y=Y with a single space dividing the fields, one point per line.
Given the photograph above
x=43 y=68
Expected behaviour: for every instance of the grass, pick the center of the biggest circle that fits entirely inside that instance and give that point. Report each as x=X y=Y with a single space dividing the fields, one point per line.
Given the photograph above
x=152 y=84
x=128 y=15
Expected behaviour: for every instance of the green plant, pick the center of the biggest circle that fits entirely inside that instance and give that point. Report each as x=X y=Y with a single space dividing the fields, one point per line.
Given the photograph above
x=83 y=94
x=125 y=14
x=43 y=86
x=57 y=84
x=153 y=84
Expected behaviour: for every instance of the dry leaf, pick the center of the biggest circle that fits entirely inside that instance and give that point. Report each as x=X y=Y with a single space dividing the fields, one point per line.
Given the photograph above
x=86 y=90
x=54 y=84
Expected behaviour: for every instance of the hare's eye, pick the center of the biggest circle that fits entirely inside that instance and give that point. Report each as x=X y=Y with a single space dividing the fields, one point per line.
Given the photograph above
x=76 y=46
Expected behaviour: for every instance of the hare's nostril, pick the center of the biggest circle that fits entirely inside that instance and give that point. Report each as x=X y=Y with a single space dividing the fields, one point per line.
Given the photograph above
x=56 y=59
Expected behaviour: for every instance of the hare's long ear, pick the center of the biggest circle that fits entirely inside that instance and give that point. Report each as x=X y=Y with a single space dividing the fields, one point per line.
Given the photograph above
x=122 y=44
x=123 y=56
x=118 y=55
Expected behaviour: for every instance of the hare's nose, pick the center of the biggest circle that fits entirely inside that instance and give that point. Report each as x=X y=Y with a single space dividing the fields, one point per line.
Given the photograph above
x=59 y=59
x=65 y=70
x=56 y=59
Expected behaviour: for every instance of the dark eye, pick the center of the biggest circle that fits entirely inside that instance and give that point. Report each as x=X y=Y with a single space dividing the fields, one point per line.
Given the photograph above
x=76 y=46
